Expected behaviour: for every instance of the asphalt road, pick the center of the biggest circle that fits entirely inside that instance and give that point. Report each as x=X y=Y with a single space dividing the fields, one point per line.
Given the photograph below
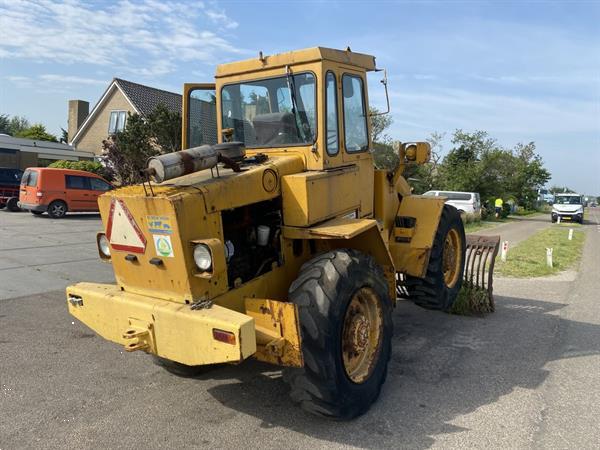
x=527 y=376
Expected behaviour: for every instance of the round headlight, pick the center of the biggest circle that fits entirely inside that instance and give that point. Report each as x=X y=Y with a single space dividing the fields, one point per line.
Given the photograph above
x=202 y=257
x=104 y=245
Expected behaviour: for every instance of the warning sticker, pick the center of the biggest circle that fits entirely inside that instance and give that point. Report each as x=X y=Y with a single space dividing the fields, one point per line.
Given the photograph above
x=163 y=245
x=122 y=231
x=159 y=224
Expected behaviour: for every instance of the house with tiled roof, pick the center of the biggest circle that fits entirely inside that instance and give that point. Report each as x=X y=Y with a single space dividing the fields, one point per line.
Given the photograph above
x=87 y=129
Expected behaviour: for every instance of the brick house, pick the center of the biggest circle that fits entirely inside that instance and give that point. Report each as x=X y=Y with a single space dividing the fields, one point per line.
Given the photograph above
x=87 y=129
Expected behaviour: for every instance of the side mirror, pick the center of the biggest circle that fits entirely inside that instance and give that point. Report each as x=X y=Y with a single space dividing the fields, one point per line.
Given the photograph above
x=414 y=152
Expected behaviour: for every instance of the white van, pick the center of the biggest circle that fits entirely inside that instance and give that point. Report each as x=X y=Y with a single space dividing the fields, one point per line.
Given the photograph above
x=467 y=202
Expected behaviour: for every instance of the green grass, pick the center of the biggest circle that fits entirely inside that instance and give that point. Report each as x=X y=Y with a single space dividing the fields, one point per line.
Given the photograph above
x=471 y=300
x=483 y=224
x=528 y=258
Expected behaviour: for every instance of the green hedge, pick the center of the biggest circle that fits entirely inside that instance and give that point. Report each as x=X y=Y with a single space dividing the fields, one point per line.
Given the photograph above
x=87 y=166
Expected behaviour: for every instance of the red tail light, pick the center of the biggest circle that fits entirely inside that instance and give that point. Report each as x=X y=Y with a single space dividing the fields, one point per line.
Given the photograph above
x=224 y=336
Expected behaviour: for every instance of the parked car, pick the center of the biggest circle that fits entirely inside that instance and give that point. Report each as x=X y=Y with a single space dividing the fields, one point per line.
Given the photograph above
x=58 y=191
x=568 y=207
x=467 y=202
x=9 y=188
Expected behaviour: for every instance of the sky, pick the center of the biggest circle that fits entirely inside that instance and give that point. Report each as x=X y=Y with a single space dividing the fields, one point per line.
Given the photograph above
x=521 y=70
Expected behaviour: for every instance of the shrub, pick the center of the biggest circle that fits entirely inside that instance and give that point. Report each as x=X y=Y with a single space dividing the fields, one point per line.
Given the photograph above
x=87 y=166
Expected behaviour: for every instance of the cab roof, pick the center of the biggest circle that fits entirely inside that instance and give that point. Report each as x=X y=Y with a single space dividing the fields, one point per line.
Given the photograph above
x=307 y=55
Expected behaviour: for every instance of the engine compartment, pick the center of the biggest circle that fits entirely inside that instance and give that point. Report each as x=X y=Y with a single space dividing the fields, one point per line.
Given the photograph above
x=252 y=235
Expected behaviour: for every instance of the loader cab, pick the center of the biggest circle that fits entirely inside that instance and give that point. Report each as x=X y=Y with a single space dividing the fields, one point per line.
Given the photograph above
x=312 y=101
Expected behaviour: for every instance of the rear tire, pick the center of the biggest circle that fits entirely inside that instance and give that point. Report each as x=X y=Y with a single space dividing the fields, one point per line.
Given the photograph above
x=13 y=204
x=181 y=370
x=444 y=277
x=346 y=327
x=57 y=209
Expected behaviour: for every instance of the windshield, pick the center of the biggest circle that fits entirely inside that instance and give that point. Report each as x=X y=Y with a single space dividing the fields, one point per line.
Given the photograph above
x=568 y=200
x=263 y=113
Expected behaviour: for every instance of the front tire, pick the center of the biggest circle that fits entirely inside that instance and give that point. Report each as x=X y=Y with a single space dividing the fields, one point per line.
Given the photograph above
x=444 y=277
x=57 y=209
x=346 y=326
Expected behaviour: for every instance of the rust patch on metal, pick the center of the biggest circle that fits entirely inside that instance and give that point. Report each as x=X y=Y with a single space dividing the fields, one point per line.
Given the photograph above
x=188 y=162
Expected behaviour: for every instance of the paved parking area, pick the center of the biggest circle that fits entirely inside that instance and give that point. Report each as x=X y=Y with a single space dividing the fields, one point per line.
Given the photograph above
x=524 y=377
x=40 y=254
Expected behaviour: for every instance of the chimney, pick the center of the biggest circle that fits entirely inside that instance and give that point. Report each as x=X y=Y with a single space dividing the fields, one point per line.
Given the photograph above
x=78 y=111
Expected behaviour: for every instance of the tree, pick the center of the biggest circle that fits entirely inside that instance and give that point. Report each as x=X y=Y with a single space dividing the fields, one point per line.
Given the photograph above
x=165 y=128
x=126 y=152
x=37 y=132
x=64 y=136
x=528 y=175
x=4 y=124
x=425 y=177
x=384 y=156
x=379 y=125
x=18 y=124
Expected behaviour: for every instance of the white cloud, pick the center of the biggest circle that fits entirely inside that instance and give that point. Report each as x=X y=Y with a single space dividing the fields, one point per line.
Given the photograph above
x=70 y=79
x=147 y=37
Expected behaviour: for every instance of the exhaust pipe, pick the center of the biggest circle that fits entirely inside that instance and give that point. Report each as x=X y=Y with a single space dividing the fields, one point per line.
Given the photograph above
x=173 y=165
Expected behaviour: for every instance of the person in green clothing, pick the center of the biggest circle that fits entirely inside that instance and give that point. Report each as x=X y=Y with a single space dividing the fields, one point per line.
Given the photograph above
x=498 y=204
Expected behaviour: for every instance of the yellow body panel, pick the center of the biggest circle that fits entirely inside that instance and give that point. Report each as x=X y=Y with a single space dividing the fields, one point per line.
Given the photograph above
x=170 y=330
x=411 y=255
x=338 y=228
x=278 y=338
x=312 y=197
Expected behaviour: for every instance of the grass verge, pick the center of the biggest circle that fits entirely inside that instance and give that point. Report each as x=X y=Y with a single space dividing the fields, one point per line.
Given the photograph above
x=528 y=258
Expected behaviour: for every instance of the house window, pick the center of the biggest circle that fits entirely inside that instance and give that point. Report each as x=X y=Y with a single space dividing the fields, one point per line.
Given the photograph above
x=117 y=121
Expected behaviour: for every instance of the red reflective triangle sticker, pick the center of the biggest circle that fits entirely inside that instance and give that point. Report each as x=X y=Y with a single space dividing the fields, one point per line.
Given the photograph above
x=122 y=231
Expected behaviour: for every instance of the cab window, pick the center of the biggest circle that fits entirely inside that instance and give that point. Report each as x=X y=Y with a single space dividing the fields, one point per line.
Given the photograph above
x=99 y=185
x=77 y=182
x=355 y=114
x=331 y=114
x=202 y=117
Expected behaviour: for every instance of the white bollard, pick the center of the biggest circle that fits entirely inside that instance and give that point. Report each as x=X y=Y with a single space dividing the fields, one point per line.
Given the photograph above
x=504 y=251
x=570 y=234
x=558 y=219
x=549 y=257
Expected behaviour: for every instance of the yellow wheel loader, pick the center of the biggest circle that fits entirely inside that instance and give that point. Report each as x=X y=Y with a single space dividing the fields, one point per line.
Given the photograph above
x=273 y=236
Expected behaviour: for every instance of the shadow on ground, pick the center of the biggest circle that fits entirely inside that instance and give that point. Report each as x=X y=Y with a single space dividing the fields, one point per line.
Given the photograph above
x=442 y=367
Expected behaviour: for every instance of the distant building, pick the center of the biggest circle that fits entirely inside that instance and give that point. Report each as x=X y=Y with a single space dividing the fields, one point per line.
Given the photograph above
x=88 y=129
x=20 y=153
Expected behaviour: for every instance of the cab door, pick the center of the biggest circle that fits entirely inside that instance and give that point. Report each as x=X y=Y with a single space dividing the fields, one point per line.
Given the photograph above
x=199 y=118
x=80 y=196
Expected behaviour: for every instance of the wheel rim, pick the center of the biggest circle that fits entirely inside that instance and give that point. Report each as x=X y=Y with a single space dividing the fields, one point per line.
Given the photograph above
x=452 y=258
x=58 y=210
x=362 y=335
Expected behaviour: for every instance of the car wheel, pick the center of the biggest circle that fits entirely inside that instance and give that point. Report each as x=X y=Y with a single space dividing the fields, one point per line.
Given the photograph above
x=57 y=209
x=13 y=204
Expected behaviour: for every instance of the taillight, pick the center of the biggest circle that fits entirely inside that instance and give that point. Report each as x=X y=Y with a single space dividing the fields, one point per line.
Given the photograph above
x=224 y=336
